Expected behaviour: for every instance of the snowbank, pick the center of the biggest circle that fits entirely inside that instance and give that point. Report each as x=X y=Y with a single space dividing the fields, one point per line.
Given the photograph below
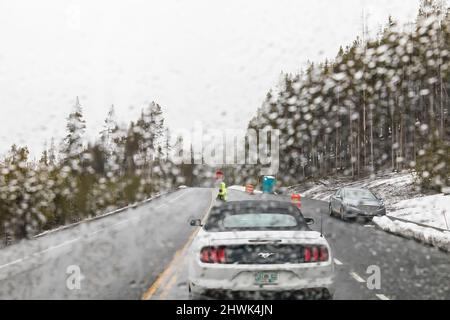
x=431 y=210
x=413 y=231
x=390 y=186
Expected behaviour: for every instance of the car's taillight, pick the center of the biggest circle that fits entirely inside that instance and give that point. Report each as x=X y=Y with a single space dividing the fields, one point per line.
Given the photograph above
x=323 y=254
x=307 y=254
x=213 y=255
x=204 y=255
x=315 y=254
x=221 y=255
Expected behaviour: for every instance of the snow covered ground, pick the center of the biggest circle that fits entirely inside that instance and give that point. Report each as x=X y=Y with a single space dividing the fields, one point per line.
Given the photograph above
x=431 y=210
x=440 y=239
x=403 y=201
x=392 y=187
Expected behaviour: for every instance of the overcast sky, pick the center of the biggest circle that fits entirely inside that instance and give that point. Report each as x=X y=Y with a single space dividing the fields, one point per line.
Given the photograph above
x=203 y=60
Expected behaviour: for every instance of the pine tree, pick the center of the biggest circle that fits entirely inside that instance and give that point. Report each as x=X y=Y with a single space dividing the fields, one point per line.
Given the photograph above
x=108 y=134
x=52 y=153
x=44 y=160
x=73 y=143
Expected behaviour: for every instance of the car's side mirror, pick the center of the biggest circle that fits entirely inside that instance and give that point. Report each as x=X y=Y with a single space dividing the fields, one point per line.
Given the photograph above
x=196 y=223
x=309 y=221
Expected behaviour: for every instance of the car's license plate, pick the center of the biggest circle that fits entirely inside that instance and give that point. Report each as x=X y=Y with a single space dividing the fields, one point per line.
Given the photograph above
x=266 y=277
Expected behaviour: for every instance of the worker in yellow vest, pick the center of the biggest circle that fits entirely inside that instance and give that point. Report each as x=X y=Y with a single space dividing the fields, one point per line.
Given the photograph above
x=222 y=192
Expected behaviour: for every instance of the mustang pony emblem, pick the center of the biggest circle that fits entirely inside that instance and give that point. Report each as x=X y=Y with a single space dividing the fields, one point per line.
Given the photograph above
x=265 y=255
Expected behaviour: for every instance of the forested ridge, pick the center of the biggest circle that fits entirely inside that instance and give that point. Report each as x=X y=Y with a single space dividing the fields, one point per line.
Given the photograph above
x=73 y=180
x=381 y=104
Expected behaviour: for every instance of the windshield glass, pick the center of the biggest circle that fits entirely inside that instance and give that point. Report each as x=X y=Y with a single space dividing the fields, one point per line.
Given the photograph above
x=131 y=129
x=359 y=194
x=259 y=220
x=252 y=215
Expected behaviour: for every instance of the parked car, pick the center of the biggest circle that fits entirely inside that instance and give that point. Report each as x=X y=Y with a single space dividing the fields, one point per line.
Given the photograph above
x=351 y=203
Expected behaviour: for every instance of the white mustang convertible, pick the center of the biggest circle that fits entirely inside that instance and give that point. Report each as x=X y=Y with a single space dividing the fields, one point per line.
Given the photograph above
x=259 y=249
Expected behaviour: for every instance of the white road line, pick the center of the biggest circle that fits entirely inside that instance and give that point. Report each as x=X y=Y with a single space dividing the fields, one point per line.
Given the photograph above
x=171 y=201
x=121 y=222
x=178 y=197
x=369 y=226
x=357 y=277
x=97 y=231
x=56 y=247
x=135 y=218
x=65 y=243
x=113 y=225
x=336 y=261
x=39 y=253
x=76 y=239
x=11 y=263
x=382 y=297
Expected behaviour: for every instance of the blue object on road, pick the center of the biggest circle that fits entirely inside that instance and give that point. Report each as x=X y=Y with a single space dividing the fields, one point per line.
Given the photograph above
x=268 y=184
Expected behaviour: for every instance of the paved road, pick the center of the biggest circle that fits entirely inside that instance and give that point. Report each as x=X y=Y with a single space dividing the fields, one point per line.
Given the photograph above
x=119 y=256
x=409 y=270
x=142 y=253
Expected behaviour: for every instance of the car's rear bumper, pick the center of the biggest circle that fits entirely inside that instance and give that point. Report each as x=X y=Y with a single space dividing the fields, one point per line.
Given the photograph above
x=302 y=294
x=294 y=285
x=236 y=281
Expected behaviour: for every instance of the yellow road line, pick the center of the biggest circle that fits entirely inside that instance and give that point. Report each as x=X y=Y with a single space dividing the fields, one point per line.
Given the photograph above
x=168 y=270
x=151 y=291
x=175 y=262
x=162 y=276
x=167 y=288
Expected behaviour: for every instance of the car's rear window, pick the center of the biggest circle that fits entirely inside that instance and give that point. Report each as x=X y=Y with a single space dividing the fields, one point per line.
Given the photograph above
x=255 y=218
x=259 y=220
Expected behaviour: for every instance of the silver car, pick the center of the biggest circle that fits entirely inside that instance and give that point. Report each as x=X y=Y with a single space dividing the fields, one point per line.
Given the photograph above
x=259 y=249
x=351 y=203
